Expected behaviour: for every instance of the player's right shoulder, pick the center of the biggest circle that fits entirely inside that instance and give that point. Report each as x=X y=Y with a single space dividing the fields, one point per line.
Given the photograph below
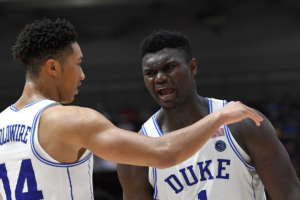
x=58 y=111
x=69 y=114
x=71 y=118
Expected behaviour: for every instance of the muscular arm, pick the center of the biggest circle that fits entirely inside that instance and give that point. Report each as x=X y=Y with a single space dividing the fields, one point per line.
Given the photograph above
x=86 y=128
x=134 y=181
x=269 y=158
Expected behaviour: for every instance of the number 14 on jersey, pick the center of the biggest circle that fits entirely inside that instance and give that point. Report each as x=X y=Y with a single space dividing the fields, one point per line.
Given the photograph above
x=26 y=172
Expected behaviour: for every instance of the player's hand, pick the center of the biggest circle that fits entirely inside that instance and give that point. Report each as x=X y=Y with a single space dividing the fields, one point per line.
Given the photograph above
x=236 y=111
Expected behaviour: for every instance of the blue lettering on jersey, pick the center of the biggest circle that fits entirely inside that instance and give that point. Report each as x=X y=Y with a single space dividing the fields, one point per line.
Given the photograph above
x=0 y=137
x=18 y=131
x=177 y=186
x=190 y=168
x=24 y=140
x=14 y=133
x=21 y=133
x=7 y=134
x=220 y=168
x=168 y=180
x=205 y=169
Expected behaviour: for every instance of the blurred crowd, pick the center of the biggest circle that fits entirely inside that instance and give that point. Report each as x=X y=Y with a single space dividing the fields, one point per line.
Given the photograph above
x=284 y=114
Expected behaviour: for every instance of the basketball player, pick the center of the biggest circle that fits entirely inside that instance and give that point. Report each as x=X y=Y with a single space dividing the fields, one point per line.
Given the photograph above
x=45 y=148
x=236 y=162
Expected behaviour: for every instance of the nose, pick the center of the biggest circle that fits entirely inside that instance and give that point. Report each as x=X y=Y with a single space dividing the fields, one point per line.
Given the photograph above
x=161 y=77
x=82 y=75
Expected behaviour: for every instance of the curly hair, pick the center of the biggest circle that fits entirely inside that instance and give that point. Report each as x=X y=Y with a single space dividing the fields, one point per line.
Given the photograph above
x=43 y=40
x=166 y=39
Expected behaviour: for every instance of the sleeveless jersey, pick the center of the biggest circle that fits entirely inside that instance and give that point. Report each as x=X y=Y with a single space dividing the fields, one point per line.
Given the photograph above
x=220 y=170
x=27 y=171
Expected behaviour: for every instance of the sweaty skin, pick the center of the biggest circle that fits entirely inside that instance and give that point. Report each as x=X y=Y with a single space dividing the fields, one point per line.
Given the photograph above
x=65 y=132
x=168 y=69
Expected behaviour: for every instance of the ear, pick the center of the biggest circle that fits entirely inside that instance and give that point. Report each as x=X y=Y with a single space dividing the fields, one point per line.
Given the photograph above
x=52 y=67
x=193 y=66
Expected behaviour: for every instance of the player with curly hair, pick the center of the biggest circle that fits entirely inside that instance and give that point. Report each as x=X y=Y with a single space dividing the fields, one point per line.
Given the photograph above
x=46 y=148
x=236 y=163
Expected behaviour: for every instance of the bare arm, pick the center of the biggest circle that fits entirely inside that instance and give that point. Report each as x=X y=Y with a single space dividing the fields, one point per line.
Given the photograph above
x=269 y=158
x=134 y=181
x=87 y=128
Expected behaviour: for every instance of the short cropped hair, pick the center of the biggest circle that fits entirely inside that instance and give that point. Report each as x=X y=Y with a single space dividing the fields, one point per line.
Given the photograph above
x=166 y=39
x=43 y=40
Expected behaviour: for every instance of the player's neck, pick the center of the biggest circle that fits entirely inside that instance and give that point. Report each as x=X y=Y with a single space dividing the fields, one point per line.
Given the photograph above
x=185 y=114
x=33 y=91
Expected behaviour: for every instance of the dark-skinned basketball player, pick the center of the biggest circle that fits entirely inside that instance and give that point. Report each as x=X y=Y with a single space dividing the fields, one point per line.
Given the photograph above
x=236 y=163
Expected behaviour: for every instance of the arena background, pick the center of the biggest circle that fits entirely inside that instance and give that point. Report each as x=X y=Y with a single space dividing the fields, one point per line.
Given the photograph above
x=247 y=50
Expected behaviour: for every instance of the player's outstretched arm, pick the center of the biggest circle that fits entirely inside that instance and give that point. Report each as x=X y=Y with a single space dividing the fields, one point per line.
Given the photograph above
x=87 y=128
x=269 y=157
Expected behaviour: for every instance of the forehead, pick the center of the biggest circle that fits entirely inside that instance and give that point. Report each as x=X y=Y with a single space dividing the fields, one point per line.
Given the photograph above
x=77 y=54
x=76 y=49
x=162 y=57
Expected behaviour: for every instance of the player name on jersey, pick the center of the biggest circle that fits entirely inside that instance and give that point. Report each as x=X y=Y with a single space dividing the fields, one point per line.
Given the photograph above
x=14 y=133
x=177 y=186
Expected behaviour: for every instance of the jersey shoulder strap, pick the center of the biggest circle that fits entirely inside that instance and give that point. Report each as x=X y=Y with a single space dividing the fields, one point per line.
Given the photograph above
x=151 y=127
x=215 y=104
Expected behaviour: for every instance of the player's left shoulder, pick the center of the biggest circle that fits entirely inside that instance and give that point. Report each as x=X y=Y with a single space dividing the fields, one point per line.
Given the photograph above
x=247 y=133
x=248 y=127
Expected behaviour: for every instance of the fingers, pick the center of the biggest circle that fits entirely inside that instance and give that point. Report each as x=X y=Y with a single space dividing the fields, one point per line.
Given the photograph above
x=257 y=120
x=242 y=111
x=252 y=114
x=255 y=116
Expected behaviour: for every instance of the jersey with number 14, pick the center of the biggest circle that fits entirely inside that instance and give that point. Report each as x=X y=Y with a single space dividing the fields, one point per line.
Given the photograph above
x=27 y=171
x=220 y=170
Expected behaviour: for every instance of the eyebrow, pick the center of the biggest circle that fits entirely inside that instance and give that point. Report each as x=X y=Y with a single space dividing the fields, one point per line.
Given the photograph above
x=170 y=62
x=146 y=68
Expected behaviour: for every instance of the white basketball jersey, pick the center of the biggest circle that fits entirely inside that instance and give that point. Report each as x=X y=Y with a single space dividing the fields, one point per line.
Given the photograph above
x=220 y=170
x=27 y=171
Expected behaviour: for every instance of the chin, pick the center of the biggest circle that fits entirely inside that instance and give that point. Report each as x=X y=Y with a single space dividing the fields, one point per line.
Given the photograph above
x=66 y=101
x=167 y=105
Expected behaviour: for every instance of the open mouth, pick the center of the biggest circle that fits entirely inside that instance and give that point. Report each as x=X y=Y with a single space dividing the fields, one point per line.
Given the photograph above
x=165 y=92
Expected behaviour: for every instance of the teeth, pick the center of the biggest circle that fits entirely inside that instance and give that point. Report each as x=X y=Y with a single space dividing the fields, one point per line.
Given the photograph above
x=161 y=89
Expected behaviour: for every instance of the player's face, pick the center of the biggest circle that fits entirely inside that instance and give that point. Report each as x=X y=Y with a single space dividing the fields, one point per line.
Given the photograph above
x=168 y=77
x=71 y=76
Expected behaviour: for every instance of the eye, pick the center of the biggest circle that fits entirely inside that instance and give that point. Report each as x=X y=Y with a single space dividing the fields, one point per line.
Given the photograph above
x=170 y=67
x=149 y=73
